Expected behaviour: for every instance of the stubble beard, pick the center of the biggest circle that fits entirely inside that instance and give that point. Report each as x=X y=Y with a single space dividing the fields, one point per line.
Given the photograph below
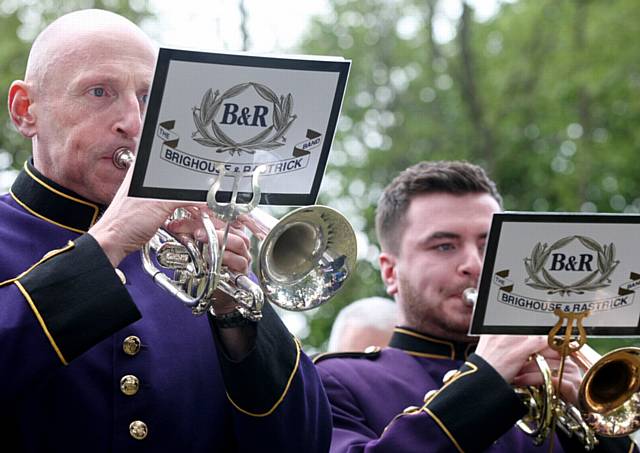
x=420 y=315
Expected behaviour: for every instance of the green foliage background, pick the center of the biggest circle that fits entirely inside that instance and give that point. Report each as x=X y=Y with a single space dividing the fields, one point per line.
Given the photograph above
x=544 y=95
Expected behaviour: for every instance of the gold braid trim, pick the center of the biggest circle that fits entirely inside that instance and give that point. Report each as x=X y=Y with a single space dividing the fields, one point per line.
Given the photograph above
x=41 y=321
x=284 y=393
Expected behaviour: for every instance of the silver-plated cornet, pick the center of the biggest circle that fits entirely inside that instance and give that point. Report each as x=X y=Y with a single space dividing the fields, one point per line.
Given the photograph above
x=470 y=296
x=305 y=257
x=193 y=279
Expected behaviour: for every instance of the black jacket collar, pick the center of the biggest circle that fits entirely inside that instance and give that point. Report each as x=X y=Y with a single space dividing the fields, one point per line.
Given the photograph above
x=53 y=203
x=419 y=344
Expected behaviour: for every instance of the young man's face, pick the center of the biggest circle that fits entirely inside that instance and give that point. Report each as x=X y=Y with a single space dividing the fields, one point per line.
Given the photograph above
x=440 y=255
x=91 y=103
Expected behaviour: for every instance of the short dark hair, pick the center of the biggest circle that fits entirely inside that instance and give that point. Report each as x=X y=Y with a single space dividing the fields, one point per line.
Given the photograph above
x=452 y=177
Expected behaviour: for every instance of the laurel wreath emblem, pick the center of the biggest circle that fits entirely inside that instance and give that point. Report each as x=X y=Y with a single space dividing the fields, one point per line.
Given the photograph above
x=270 y=138
x=540 y=278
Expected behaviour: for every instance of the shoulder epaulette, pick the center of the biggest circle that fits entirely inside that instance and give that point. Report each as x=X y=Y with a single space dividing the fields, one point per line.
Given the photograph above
x=371 y=353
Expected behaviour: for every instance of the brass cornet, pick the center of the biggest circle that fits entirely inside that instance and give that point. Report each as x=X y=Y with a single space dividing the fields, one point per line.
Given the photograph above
x=609 y=395
x=305 y=257
x=610 y=391
x=609 y=398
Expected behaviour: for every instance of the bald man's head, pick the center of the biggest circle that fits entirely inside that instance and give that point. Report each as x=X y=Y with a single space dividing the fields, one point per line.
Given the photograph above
x=84 y=95
x=63 y=39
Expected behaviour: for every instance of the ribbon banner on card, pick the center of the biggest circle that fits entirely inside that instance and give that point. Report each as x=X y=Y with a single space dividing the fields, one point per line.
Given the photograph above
x=170 y=152
x=505 y=295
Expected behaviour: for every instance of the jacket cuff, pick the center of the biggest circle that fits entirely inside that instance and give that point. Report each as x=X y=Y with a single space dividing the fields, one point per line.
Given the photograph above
x=77 y=297
x=476 y=392
x=605 y=444
x=258 y=383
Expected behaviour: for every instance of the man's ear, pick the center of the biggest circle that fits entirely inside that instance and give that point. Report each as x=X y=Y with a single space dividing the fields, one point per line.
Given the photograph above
x=388 y=264
x=20 y=108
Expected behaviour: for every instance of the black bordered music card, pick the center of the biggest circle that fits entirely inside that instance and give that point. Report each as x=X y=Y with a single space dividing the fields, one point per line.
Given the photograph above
x=238 y=111
x=537 y=263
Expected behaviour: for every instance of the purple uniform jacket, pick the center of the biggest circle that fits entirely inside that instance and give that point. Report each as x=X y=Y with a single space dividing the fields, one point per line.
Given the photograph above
x=474 y=411
x=89 y=363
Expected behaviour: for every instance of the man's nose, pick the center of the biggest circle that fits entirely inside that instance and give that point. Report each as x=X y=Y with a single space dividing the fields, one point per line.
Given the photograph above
x=129 y=122
x=471 y=264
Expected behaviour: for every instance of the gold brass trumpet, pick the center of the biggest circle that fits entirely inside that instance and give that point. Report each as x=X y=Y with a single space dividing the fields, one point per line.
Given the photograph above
x=304 y=259
x=610 y=391
x=609 y=395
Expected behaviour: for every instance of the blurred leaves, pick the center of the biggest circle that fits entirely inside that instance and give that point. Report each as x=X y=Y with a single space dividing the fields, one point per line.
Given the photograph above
x=543 y=94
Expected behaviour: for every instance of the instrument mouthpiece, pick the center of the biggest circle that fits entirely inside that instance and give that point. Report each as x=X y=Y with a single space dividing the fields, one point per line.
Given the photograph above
x=122 y=158
x=470 y=296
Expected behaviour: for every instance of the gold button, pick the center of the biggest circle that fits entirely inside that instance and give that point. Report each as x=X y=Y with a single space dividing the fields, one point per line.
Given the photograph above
x=449 y=375
x=131 y=345
x=129 y=384
x=138 y=429
x=411 y=410
x=121 y=276
x=428 y=395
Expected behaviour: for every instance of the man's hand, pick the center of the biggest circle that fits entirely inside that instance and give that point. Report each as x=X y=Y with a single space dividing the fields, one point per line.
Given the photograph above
x=236 y=257
x=571 y=375
x=129 y=223
x=509 y=356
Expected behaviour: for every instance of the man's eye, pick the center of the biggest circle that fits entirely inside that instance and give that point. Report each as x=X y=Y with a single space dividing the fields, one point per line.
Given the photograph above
x=98 y=92
x=444 y=247
x=144 y=98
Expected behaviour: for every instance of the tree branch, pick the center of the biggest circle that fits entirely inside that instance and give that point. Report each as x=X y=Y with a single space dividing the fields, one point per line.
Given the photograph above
x=467 y=79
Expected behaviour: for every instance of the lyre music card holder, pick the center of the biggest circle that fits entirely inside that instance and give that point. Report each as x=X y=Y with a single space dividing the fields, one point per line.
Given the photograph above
x=538 y=263
x=239 y=111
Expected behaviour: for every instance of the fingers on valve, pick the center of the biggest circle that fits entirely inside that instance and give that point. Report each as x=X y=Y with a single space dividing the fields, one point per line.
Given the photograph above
x=235 y=262
x=236 y=244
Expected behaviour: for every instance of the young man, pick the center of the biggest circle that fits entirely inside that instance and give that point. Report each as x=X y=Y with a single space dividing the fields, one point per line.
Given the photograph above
x=432 y=223
x=98 y=360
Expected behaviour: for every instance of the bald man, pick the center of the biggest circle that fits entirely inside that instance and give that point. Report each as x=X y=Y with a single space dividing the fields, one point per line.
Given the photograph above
x=94 y=356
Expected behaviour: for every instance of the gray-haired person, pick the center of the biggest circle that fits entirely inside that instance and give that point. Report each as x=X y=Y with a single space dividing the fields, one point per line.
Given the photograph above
x=365 y=322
